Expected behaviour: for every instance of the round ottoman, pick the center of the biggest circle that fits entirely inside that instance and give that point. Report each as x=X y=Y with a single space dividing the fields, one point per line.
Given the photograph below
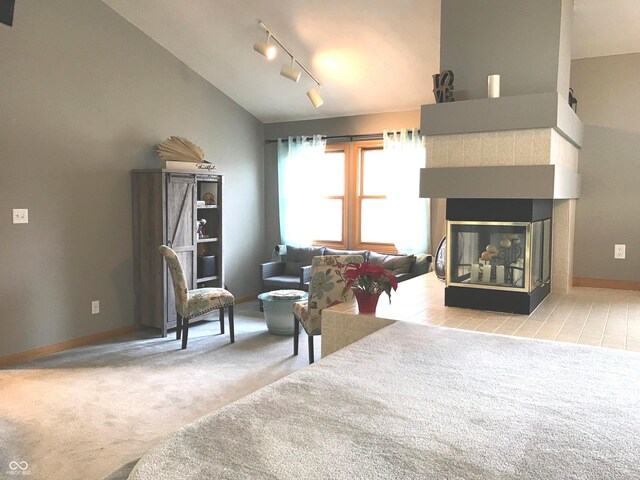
x=278 y=309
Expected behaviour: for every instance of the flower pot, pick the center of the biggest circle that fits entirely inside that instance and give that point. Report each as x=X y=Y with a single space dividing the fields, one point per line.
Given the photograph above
x=367 y=302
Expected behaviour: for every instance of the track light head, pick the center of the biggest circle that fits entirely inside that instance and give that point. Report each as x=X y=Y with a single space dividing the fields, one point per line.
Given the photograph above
x=314 y=96
x=290 y=72
x=266 y=49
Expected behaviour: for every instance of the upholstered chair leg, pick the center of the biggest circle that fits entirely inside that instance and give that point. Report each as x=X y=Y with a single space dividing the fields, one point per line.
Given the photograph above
x=222 y=320
x=178 y=327
x=311 y=349
x=296 y=334
x=185 y=333
x=231 y=325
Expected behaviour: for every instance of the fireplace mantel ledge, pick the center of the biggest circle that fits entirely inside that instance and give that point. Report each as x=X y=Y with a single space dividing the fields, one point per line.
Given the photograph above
x=521 y=181
x=518 y=112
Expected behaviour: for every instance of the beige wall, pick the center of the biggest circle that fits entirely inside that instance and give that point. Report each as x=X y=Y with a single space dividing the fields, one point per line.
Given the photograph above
x=84 y=98
x=608 y=211
x=608 y=91
x=354 y=125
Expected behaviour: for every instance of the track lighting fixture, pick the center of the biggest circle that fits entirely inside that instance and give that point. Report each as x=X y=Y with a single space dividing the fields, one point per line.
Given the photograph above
x=266 y=49
x=314 y=96
x=288 y=71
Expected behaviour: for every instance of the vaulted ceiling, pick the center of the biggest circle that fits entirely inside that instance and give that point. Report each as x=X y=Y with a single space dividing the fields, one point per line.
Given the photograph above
x=370 y=55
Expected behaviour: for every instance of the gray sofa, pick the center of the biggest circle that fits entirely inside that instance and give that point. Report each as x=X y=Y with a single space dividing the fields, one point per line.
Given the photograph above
x=292 y=266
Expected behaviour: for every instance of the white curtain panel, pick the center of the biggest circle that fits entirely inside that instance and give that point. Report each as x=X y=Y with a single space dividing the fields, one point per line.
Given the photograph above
x=405 y=155
x=298 y=158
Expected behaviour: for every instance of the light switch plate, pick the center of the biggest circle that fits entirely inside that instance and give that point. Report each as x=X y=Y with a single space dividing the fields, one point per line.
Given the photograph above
x=20 y=215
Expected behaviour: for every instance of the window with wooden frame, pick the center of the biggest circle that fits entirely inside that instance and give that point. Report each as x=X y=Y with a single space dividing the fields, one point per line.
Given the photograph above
x=352 y=210
x=330 y=211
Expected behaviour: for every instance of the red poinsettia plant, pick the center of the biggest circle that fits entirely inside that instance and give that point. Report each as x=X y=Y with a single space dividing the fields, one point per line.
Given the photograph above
x=372 y=279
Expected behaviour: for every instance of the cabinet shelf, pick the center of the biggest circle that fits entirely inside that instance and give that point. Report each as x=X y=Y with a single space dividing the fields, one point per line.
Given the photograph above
x=207 y=240
x=207 y=279
x=166 y=212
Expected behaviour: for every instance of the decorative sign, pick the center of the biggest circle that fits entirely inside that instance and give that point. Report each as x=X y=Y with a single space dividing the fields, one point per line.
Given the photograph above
x=443 y=86
x=206 y=166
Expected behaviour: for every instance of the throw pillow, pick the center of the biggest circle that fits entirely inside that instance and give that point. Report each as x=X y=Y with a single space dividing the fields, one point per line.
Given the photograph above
x=393 y=264
x=298 y=257
x=331 y=251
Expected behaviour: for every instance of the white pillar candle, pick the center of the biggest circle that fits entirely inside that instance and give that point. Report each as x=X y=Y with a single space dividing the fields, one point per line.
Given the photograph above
x=493 y=88
x=475 y=272
x=500 y=274
x=486 y=273
x=518 y=273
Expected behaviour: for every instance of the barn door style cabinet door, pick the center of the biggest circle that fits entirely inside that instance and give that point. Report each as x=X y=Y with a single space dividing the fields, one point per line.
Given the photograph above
x=182 y=210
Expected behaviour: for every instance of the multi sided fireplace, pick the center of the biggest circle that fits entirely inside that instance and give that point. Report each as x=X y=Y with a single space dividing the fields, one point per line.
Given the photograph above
x=498 y=254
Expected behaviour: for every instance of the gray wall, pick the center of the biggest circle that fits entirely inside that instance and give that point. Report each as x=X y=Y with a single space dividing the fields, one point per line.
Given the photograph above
x=528 y=43
x=354 y=125
x=519 y=40
x=608 y=211
x=564 y=48
x=84 y=98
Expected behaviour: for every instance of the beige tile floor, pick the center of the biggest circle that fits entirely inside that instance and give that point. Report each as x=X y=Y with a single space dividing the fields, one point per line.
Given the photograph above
x=588 y=316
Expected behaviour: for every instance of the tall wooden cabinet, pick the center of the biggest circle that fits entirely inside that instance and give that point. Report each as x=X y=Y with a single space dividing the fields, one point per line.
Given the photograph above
x=167 y=208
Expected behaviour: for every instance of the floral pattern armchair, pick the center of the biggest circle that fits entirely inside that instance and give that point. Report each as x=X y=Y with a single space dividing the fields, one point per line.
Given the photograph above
x=191 y=304
x=325 y=290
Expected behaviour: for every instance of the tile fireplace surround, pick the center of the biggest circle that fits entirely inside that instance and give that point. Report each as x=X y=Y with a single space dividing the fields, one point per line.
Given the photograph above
x=495 y=148
x=539 y=146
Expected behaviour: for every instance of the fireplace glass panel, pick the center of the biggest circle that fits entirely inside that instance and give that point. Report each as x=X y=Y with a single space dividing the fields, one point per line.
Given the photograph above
x=540 y=253
x=490 y=255
x=498 y=253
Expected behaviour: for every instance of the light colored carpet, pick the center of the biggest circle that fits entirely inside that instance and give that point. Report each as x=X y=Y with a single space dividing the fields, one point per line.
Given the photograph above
x=82 y=413
x=416 y=402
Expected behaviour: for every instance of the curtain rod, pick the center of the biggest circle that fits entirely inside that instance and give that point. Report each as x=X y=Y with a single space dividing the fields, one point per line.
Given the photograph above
x=361 y=136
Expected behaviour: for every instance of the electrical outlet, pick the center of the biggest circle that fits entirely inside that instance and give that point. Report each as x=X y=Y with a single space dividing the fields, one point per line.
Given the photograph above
x=619 y=251
x=95 y=307
x=20 y=215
